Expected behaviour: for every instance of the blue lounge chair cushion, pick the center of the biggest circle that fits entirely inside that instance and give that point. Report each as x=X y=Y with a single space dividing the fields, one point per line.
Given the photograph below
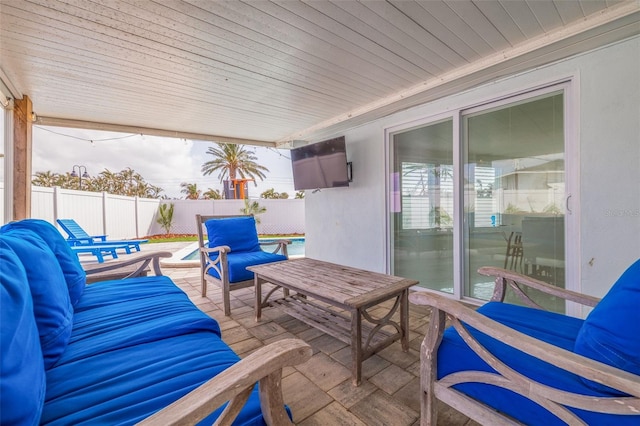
x=239 y=261
x=22 y=376
x=611 y=332
x=51 y=303
x=239 y=233
x=135 y=349
x=559 y=330
x=74 y=274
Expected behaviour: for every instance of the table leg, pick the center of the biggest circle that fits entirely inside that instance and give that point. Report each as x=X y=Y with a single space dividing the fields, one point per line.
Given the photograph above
x=404 y=319
x=257 y=283
x=356 y=347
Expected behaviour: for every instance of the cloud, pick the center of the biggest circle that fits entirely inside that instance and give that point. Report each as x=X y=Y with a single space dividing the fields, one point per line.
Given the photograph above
x=164 y=162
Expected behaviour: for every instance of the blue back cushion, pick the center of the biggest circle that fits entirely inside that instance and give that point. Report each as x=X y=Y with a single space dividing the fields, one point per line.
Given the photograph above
x=74 y=275
x=51 y=303
x=611 y=332
x=22 y=376
x=239 y=233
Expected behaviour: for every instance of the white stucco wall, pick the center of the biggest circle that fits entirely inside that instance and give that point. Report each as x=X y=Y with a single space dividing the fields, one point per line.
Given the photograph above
x=348 y=225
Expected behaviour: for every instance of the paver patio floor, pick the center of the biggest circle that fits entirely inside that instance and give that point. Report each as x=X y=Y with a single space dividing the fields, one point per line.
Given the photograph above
x=320 y=391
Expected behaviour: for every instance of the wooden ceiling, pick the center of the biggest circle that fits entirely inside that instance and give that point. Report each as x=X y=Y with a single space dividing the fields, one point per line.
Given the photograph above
x=269 y=72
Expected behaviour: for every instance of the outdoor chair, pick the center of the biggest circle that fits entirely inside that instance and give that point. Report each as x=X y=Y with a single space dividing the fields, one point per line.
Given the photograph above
x=99 y=250
x=79 y=237
x=232 y=245
x=512 y=364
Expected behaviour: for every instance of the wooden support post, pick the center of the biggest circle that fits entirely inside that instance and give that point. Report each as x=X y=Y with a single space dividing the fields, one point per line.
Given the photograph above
x=22 y=122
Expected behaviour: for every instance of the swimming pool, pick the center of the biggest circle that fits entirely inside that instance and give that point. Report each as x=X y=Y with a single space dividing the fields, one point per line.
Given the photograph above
x=295 y=249
x=187 y=257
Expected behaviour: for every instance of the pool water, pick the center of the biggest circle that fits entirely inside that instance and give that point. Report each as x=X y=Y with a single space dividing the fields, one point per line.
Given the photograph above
x=295 y=249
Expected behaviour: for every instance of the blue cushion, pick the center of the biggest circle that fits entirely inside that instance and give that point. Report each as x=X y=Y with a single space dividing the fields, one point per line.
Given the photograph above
x=135 y=348
x=239 y=261
x=51 y=304
x=559 y=330
x=74 y=274
x=22 y=377
x=239 y=233
x=611 y=332
x=115 y=314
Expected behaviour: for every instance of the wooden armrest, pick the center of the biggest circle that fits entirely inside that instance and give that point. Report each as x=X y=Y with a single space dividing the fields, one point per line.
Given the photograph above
x=282 y=246
x=582 y=366
x=264 y=366
x=222 y=249
x=143 y=258
x=270 y=243
x=504 y=277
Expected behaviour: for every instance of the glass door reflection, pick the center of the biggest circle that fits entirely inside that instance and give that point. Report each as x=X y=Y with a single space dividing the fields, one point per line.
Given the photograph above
x=422 y=205
x=514 y=187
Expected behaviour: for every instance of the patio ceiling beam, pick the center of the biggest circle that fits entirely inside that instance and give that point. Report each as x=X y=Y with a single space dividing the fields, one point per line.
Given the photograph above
x=110 y=127
x=606 y=27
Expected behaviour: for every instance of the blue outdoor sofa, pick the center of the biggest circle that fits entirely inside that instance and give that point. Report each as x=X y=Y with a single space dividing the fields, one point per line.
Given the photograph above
x=120 y=351
x=514 y=364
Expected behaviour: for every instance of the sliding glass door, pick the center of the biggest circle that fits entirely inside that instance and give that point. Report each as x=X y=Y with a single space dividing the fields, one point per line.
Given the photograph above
x=422 y=205
x=491 y=193
x=514 y=191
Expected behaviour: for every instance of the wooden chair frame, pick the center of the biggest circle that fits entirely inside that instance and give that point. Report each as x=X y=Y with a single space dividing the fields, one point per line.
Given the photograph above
x=216 y=258
x=554 y=400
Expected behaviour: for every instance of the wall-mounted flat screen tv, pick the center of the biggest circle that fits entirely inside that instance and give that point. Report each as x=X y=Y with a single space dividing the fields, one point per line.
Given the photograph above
x=320 y=165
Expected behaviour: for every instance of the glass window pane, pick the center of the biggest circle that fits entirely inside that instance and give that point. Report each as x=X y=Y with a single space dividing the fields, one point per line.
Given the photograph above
x=514 y=191
x=422 y=210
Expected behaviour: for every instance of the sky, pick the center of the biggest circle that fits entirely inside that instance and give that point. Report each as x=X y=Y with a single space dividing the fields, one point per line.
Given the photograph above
x=163 y=162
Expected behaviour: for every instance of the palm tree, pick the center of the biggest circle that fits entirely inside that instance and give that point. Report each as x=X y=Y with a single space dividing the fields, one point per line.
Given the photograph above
x=126 y=182
x=232 y=160
x=46 y=179
x=253 y=208
x=191 y=190
x=212 y=194
x=165 y=217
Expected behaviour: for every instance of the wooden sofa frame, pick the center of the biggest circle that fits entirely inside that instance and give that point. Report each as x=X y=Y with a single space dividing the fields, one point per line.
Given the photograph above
x=135 y=265
x=554 y=400
x=210 y=257
x=233 y=385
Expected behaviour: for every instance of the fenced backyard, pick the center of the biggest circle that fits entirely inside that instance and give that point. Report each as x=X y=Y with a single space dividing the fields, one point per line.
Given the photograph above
x=133 y=217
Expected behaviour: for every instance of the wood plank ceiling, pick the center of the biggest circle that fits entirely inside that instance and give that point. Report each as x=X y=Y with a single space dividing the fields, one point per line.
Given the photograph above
x=274 y=71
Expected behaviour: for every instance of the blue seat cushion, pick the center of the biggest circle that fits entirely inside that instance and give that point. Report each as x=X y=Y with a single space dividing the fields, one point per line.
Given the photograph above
x=611 y=332
x=50 y=295
x=22 y=377
x=129 y=313
x=239 y=261
x=137 y=346
x=559 y=330
x=74 y=274
x=239 y=233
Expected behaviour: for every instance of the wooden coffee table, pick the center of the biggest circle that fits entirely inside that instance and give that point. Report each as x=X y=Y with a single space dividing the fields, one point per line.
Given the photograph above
x=336 y=299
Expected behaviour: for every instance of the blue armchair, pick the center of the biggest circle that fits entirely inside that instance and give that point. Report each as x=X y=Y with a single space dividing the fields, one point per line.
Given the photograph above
x=232 y=245
x=513 y=364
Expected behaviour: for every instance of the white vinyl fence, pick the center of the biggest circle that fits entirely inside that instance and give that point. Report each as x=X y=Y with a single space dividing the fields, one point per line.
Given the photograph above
x=132 y=217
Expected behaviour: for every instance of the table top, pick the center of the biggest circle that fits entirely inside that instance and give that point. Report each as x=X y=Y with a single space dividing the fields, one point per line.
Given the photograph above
x=341 y=284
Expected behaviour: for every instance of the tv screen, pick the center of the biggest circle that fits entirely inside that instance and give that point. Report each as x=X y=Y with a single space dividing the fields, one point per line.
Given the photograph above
x=320 y=165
